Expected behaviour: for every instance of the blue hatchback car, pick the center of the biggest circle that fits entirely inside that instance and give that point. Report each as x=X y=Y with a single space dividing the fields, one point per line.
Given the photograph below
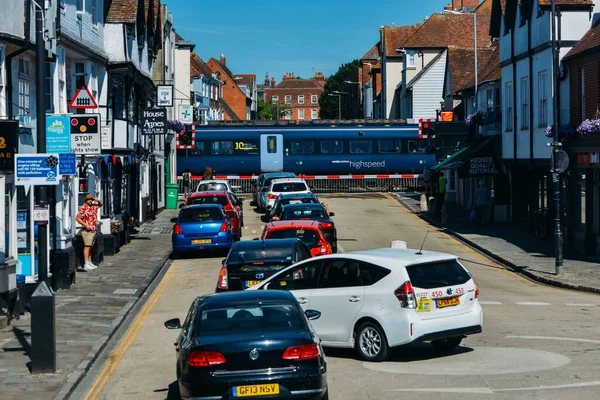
x=202 y=227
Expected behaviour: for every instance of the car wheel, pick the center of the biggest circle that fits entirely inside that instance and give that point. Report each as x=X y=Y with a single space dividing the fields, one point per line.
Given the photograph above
x=371 y=343
x=447 y=344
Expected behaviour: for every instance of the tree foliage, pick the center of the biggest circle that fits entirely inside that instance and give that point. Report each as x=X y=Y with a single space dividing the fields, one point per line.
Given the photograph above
x=268 y=110
x=329 y=104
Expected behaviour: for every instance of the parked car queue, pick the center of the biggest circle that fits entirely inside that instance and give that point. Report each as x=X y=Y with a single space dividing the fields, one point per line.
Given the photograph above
x=371 y=301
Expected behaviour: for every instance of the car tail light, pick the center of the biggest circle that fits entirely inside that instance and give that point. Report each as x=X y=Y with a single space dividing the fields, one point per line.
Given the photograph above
x=304 y=352
x=222 y=282
x=476 y=291
x=177 y=230
x=272 y=196
x=406 y=295
x=205 y=358
x=326 y=225
x=224 y=227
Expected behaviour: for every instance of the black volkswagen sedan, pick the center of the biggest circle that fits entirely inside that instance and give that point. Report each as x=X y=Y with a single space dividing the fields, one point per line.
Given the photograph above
x=249 y=262
x=256 y=344
x=313 y=212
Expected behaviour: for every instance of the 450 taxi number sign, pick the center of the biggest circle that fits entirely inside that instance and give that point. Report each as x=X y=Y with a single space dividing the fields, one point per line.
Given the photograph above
x=256 y=390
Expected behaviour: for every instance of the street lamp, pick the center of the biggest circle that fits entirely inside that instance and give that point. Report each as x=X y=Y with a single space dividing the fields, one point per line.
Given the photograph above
x=359 y=93
x=475 y=46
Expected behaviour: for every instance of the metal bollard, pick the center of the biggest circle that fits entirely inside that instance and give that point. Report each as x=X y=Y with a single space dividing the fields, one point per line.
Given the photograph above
x=43 y=330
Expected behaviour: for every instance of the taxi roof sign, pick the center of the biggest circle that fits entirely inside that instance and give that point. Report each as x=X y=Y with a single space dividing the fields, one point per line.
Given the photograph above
x=83 y=99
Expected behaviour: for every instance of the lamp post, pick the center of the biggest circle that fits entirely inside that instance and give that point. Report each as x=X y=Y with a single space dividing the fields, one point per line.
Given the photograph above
x=475 y=46
x=339 y=104
x=359 y=93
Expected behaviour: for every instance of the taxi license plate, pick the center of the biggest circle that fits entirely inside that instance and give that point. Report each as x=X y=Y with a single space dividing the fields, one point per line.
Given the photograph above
x=253 y=283
x=200 y=241
x=256 y=390
x=441 y=303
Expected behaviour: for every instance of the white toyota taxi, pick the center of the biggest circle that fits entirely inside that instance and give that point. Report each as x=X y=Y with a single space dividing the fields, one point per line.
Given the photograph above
x=374 y=300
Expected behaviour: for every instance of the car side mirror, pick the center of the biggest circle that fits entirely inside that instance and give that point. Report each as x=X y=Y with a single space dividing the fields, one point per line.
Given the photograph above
x=331 y=214
x=174 y=323
x=312 y=314
x=174 y=220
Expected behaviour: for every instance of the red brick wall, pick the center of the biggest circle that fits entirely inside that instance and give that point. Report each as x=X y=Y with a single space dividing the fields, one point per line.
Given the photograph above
x=232 y=94
x=590 y=63
x=295 y=106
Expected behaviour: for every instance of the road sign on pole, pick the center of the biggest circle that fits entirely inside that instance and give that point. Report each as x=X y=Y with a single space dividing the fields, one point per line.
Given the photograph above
x=185 y=113
x=83 y=99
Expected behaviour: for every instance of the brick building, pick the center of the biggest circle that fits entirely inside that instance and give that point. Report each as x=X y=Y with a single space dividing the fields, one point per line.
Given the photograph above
x=301 y=96
x=236 y=103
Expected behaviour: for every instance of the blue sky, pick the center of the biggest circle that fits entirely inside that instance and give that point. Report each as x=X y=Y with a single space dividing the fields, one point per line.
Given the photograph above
x=277 y=36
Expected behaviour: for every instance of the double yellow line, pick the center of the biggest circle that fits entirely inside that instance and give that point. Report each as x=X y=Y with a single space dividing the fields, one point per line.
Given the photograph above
x=130 y=335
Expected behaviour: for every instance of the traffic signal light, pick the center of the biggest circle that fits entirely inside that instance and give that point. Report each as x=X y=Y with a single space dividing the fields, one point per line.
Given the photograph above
x=84 y=124
x=187 y=138
x=426 y=129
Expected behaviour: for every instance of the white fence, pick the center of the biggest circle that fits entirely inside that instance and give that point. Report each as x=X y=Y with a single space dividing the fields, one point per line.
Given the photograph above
x=329 y=183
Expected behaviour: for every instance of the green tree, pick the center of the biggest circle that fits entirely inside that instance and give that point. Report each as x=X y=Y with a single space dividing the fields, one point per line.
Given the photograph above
x=268 y=110
x=329 y=104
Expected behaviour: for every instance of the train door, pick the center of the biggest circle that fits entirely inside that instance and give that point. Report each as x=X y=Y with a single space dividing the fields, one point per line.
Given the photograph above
x=271 y=152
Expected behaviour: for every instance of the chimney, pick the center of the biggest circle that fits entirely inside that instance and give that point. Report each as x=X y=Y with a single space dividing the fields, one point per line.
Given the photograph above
x=319 y=76
x=267 y=80
x=272 y=82
x=288 y=76
x=223 y=59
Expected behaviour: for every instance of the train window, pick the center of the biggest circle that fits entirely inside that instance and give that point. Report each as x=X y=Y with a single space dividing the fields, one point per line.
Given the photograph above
x=271 y=144
x=222 y=147
x=303 y=147
x=417 y=146
x=360 y=146
x=390 y=146
x=331 y=146
x=198 y=149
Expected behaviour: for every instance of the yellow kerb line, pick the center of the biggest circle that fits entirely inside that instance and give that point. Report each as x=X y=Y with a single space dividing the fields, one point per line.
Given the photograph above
x=130 y=335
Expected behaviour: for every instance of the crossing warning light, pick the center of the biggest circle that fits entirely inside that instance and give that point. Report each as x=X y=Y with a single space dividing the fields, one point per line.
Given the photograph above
x=84 y=124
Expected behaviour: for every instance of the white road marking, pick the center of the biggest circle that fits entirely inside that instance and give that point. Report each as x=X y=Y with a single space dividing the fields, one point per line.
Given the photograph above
x=580 y=305
x=490 y=303
x=484 y=390
x=552 y=338
x=532 y=303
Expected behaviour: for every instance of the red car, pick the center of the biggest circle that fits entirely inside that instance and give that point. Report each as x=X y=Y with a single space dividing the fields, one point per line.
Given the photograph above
x=309 y=232
x=233 y=211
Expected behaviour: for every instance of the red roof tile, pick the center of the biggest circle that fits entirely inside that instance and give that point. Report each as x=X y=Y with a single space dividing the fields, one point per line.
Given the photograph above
x=461 y=64
x=246 y=79
x=395 y=36
x=299 y=84
x=589 y=41
x=566 y=2
x=372 y=54
x=122 y=11
x=199 y=67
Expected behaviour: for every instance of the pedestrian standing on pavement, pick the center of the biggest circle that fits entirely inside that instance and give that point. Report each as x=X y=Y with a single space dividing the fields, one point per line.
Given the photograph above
x=427 y=178
x=186 y=178
x=208 y=174
x=88 y=218
x=481 y=202
x=441 y=190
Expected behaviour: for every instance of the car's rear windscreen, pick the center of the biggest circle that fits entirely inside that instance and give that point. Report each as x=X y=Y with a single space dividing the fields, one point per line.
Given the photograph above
x=248 y=318
x=222 y=200
x=211 y=186
x=211 y=214
x=437 y=274
x=307 y=213
x=247 y=253
x=308 y=236
x=289 y=187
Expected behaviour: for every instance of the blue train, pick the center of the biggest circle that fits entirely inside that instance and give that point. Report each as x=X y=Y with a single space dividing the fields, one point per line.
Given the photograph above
x=307 y=149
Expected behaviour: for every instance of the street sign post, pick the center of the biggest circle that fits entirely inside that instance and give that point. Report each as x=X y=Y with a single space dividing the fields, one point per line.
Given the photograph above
x=58 y=139
x=185 y=113
x=164 y=96
x=37 y=169
x=154 y=121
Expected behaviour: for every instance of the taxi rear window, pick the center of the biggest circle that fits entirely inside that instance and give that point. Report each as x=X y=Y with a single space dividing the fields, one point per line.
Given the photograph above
x=437 y=274
x=308 y=236
x=222 y=200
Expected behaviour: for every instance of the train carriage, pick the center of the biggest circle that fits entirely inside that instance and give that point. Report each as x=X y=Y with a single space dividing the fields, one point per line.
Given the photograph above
x=311 y=149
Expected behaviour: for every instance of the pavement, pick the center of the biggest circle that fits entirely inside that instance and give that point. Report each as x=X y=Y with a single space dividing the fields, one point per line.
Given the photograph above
x=87 y=315
x=515 y=249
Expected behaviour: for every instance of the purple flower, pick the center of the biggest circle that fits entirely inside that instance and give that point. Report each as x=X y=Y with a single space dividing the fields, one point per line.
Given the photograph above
x=589 y=126
x=176 y=126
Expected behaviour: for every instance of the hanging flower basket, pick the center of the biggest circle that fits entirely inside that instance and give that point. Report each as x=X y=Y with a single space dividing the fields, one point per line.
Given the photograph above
x=474 y=119
x=176 y=126
x=589 y=127
x=567 y=131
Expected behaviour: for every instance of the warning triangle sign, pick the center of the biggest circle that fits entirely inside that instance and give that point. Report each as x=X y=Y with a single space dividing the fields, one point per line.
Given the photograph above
x=83 y=99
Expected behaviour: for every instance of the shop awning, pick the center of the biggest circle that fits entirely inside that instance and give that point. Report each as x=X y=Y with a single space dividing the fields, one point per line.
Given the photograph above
x=476 y=159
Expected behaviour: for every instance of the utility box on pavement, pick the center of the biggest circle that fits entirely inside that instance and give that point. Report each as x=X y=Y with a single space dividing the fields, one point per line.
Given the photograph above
x=172 y=195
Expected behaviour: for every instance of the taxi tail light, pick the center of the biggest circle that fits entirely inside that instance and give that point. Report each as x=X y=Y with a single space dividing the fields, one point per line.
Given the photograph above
x=304 y=352
x=177 y=230
x=406 y=295
x=222 y=282
x=476 y=295
x=205 y=358
x=326 y=225
x=272 y=196
x=224 y=227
